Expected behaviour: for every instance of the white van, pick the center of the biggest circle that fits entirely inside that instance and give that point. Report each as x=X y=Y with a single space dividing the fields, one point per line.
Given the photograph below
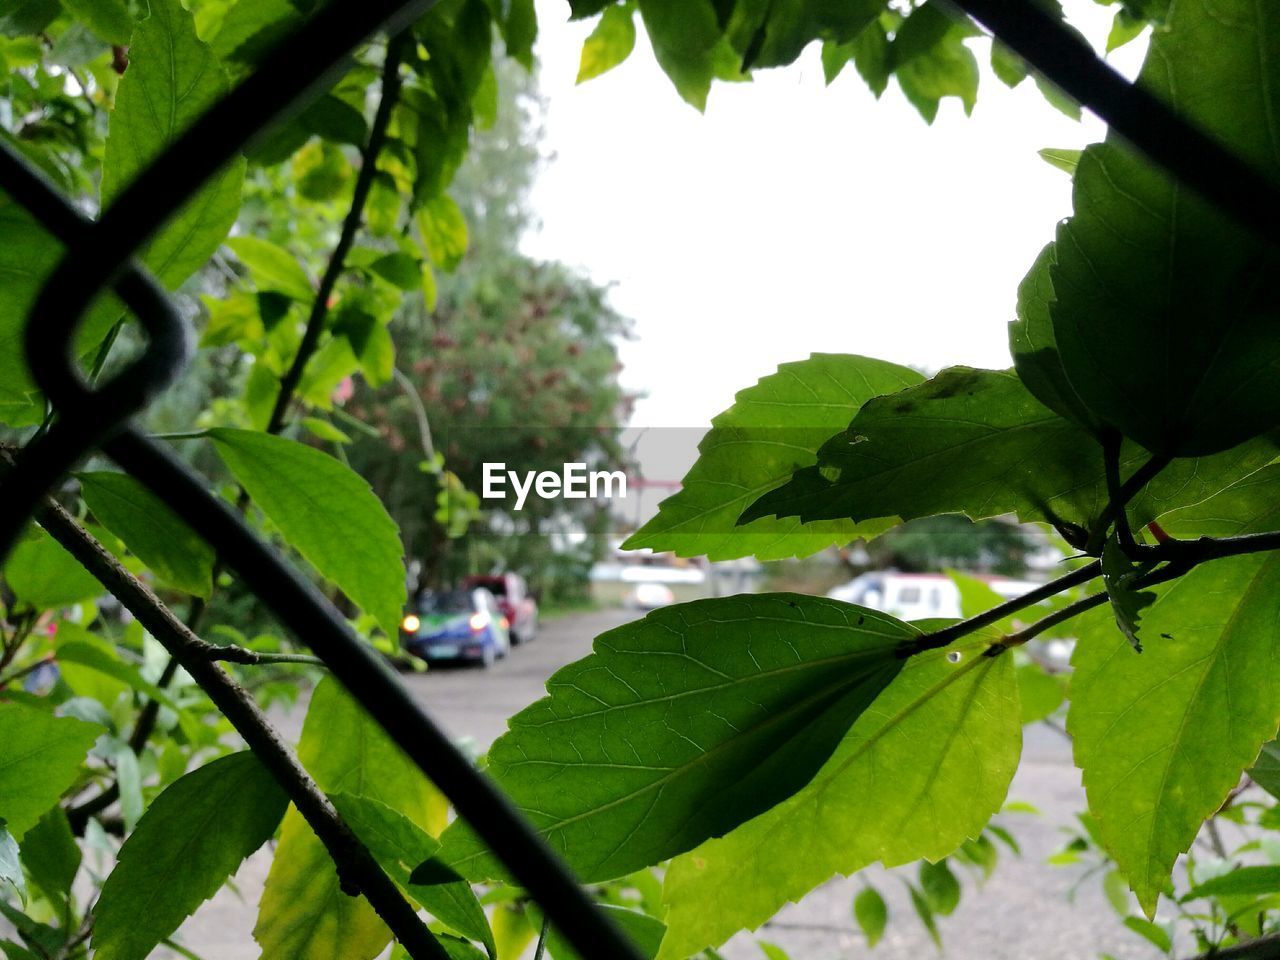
x=917 y=596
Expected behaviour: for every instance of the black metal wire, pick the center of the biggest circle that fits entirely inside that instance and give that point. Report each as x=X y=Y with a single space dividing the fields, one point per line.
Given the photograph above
x=101 y=253
x=314 y=621
x=1154 y=127
x=100 y=257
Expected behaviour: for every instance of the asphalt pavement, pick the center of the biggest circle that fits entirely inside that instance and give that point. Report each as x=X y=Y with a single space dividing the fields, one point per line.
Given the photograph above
x=1024 y=910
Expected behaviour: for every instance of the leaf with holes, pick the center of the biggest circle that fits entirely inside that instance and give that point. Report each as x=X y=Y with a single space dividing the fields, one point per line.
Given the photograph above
x=772 y=429
x=977 y=442
x=684 y=724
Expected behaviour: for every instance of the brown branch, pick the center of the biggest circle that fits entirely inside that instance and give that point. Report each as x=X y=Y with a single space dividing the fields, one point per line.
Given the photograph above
x=948 y=635
x=357 y=869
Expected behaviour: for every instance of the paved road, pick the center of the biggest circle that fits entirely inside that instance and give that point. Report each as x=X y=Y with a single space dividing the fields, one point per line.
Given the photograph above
x=1023 y=911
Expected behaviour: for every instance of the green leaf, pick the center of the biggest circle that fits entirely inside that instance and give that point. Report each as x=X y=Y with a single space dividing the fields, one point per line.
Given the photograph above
x=172 y=79
x=370 y=342
x=947 y=69
x=28 y=254
x=925 y=767
x=684 y=724
x=1250 y=505
x=100 y=660
x=688 y=44
x=151 y=530
x=977 y=442
x=11 y=864
x=1162 y=737
x=321 y=172
x=108 y=19
x=273 y=268
x=400 y=846
x=1164 y=316
x=1063 y=159
x=940 y=887
x=324 y=430
x=400 y=269
x=872 y=914
x=42 y=573
x=1155 y=935
x=327 y=513
x=51 y=856
x=1040 y=692
x=925 y=912
x=1010 y=68
x=303 y=914
x=250 y=25
x=443 y=230
x=1034 y=349
x=190 y=841
x=336 y=120
x=644 y=932
x=1265 y=771
x=520 y=30
x=42 y=757
x=19 y=17
x=772 y=33
x=610 y=43
x=1127 y=603
x=772 y=429
x=1248 y=881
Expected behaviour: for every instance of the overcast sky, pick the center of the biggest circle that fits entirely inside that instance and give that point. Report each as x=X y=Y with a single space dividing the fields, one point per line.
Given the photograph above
x=793 y=217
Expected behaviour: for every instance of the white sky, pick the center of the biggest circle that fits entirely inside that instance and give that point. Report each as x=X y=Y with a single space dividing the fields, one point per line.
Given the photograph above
x=792 y=217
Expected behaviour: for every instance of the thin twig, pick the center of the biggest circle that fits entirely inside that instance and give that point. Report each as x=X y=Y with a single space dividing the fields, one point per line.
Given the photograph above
x=419 y=412
x=1052 y=620
x=357 y=869
x=542 y=939
x=350 y=227
x=79 y=814
x=1120 y=494
x=948 y=635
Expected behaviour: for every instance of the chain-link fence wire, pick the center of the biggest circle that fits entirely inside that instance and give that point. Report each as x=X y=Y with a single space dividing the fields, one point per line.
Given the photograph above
x=100 y=256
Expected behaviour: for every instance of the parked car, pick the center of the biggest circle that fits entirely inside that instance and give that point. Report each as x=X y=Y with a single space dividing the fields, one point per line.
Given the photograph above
x=515 y=601
x=650 y=596
x=917 y=596
x=463 y=624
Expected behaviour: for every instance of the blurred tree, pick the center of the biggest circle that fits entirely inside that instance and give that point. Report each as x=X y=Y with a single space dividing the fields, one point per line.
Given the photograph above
x=951 y=540
x=510 y=360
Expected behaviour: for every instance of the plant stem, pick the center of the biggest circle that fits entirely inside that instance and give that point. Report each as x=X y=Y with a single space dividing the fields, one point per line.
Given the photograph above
x=542 y=939
x=948 y=635
x=1120 y=494
x=1052 y=620
x=288 y=385
x=350 y=227
x=356 y=866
